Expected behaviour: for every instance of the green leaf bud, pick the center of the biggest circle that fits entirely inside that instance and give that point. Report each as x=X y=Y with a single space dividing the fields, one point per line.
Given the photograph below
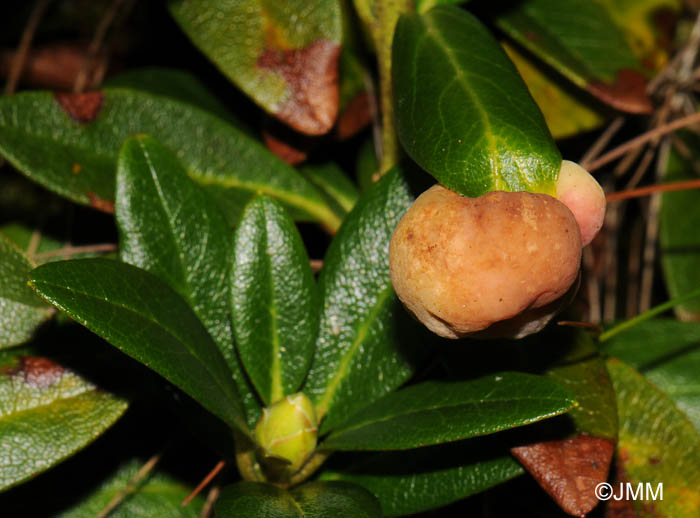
x=288 y=429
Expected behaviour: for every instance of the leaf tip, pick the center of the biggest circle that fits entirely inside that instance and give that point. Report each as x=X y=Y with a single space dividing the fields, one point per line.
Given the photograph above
x=311 y=75
x=627 y=93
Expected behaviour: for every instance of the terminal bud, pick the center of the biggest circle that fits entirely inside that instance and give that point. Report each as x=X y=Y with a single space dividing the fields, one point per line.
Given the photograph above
x=288 y=430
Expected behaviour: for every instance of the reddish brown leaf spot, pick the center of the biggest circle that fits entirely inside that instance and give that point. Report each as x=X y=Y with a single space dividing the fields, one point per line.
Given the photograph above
x=627 y=93
x=39 y=372
x=311 y=74
x=356 y=116
x=284 y=150
x=81 y=107
x=569 y=469
x=98 y=203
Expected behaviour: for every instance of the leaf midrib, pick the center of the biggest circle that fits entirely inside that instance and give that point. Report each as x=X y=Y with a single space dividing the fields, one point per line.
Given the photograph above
x=459 y=77
x=141 y=317
x=276 y=385
x=38 y=408
x=168 y=216
x=362 y=330
x=319 y=210
x=447 y=407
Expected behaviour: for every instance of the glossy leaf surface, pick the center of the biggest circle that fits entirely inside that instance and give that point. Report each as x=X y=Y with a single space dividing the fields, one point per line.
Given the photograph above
x=312 y=500
x=69 y=143
x=274 y=302
x=463 y=112
x=174 y=83
x=407 y=482
x=47 y=413
x=169 y=227
x=437 y=412
x=657 y=444
x=21 y=311
x=284 y=55
x=362 y=351
x=143 y=317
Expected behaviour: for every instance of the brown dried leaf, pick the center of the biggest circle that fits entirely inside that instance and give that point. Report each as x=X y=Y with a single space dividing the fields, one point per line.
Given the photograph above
x=569 y=469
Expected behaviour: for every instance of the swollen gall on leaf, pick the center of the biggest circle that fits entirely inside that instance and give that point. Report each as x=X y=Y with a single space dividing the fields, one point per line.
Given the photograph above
x=498 y=265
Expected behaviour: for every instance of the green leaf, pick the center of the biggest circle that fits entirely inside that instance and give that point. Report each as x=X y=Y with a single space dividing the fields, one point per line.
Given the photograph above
x=590 y=42
x=169 y=227
x=566 y=111
x=657 y=444
x=70 y=142
x=436 y=412
x=274 y=303
x=677 y=377
x=143 y=317
x=174 y=83
x=158 y=495
x=653 y=342
x=678 y=237
x=582 y=371
x=407 y=482
x=668 y=354
x=21 y=311
x=362 y=350
x=578 y=37
x=332 y=181
x=47 y=413
x=463 y=113
x=284 y=55
x=313 y=500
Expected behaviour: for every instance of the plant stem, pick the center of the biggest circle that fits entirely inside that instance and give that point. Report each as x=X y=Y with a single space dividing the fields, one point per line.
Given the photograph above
x=248 y=466
x=381 y=17
x=315 y=462
x=647 y=315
